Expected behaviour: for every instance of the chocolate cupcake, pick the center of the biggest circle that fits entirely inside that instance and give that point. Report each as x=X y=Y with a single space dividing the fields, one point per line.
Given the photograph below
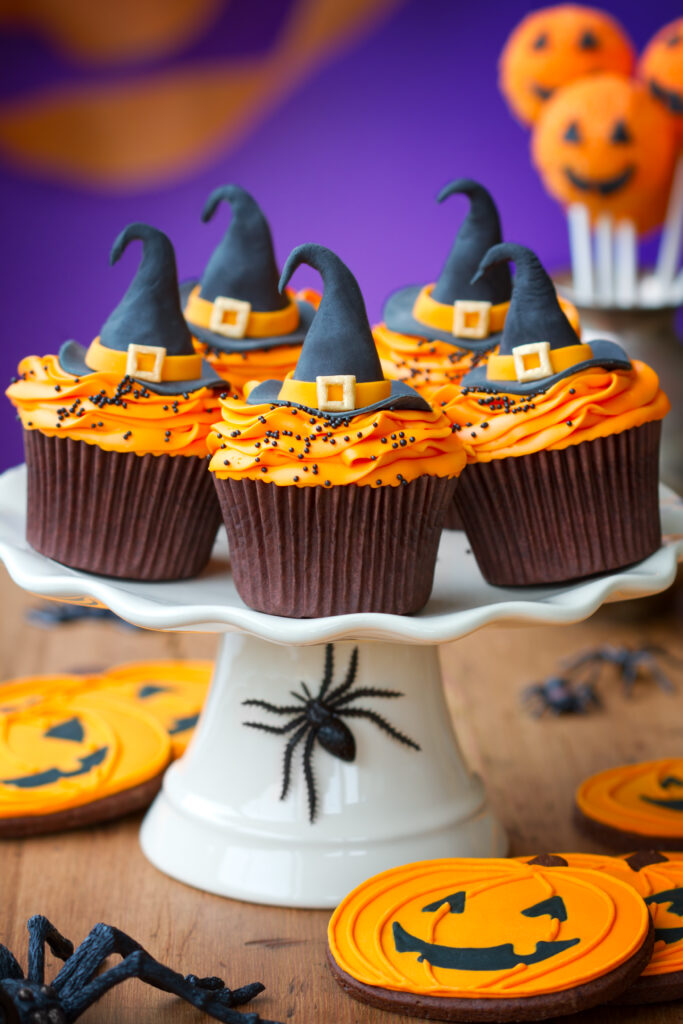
x=334 y=482
x=562 y=441
x=241 y=323
x=115 y=435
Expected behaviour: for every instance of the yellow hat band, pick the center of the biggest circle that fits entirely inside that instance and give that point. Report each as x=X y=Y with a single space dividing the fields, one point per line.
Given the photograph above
x=334 y=393
x=234 y=318
x=536 y=361
x=145 y=362
x=463 y=319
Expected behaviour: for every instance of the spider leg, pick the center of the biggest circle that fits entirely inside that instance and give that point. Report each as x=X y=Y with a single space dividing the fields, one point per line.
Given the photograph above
x=139 y=964
x=279 y=730
x=309 y=695
x=329 y=671
x=99 y=943
x=287 y=763
x=277 y=709
x=382 y=723
x=365 y=691
x=661 y=678
x=350 y=677
x=308 y=775
x=585 y=657
x=629 y=674
x=40 y=931
x=9 y=967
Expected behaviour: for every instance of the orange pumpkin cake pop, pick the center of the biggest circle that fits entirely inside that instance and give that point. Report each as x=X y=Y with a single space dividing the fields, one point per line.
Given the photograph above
x=606 y=143
x=661 y=68
x=488 y=940
x=554 y=46
x=241 y=323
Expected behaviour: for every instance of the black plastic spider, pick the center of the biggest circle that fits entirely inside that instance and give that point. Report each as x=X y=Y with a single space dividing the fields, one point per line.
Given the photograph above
x=560 y=697
x=631 y=663
x=319 y=718
x=28 y=1000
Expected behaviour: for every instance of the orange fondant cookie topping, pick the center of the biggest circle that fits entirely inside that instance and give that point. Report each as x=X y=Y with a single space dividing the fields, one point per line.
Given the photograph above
x=660 y=883
x=74 y=749
x=645 y=799
x=486 y=929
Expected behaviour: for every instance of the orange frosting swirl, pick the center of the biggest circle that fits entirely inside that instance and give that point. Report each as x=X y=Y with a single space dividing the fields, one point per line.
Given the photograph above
x=590 y=404
x=287 y=445
x=97 y=409
x=425 y=365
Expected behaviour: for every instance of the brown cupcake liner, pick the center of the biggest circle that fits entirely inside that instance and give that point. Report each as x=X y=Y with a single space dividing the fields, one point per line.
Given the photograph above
x=310 y=551
x=554 y=516
x=453 y=520
x=143 y=517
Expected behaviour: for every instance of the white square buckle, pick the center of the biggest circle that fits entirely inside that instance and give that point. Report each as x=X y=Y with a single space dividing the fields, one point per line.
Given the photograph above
x=535 y=369
x=134 y=362
x=235 y=324
x=471 y=319
x=346 y=403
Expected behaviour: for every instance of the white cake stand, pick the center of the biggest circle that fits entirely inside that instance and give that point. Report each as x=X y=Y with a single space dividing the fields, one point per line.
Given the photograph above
x=219 y=823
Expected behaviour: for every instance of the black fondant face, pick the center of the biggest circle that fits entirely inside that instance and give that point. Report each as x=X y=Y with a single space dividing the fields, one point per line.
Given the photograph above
x=661 y=67
x=669 y=906
x=71 y=732
x=501 y=957
x=671 y=803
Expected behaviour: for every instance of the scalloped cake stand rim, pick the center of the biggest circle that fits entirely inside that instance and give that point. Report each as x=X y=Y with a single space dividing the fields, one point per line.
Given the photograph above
x=166 y=606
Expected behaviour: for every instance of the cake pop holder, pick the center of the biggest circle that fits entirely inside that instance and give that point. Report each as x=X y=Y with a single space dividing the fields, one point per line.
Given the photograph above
x=219 y=823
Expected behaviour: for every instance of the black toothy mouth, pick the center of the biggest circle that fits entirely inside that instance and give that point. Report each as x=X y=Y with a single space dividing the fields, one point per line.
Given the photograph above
x=544 y=92
x=603 y=186
x=666 y=96
x=484 y=958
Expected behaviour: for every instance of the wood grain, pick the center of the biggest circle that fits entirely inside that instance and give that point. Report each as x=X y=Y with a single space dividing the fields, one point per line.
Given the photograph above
x=531 y=767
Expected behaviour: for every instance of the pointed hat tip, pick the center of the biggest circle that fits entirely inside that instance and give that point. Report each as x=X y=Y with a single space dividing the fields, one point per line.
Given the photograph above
x=461 y=186
x=132 y=233
x=229 y=193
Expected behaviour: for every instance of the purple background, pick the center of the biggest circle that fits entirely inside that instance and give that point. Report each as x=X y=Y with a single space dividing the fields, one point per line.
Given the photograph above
x=353 y=159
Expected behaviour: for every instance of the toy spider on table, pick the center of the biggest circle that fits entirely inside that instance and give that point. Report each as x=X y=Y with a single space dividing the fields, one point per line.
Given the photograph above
x=28 y=1000
x=319 y=718
x=631 y=664
x=560 y=697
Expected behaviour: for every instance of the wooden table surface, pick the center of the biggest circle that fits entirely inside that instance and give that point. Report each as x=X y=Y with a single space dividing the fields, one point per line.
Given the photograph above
x=531 y=768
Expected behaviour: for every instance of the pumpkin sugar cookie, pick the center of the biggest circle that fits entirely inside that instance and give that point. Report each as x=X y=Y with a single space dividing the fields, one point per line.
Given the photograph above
x=659 y=880
x=634 y=806
x=75 y=759
x=489 y=940
x=173 y=692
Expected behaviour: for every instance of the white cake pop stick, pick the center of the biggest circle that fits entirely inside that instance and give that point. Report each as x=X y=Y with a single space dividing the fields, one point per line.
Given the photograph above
x=578 y=223
x=626 y=264
x=669 y=255
x=604 y=261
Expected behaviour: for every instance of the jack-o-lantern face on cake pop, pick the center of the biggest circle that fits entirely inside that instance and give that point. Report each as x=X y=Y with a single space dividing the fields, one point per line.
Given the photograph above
x=661 y=68
x=606 y=143
x=462 y=930
x=554 y=46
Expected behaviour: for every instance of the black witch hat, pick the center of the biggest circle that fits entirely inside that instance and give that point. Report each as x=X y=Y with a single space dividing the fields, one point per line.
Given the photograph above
x=456 y=310
x=146 y=336
x=539 y=345
x=237 y=306
x=338 y=372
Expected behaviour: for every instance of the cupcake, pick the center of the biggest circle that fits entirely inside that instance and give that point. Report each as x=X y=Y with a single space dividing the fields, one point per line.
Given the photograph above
x=334 y=482
x=562 y=440
x=434 y=334
x=115 y=435
x=241 y=323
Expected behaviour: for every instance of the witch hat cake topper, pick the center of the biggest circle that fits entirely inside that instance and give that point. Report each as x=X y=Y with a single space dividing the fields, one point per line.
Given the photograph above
x=456 y=310
x=539 y=346
x=338 y=372
x=237 y=305
x=146 y=336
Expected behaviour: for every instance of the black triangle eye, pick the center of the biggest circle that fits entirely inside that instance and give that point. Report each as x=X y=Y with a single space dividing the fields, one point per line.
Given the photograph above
x=672 y=897
x=621 y=134
x=540 y=42
x=554 y=906
x=572 y=133
x=589 y=41
x=456 y=904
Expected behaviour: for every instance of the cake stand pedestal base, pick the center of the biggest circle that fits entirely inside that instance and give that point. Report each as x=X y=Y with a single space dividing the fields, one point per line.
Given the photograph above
x=220 y=824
